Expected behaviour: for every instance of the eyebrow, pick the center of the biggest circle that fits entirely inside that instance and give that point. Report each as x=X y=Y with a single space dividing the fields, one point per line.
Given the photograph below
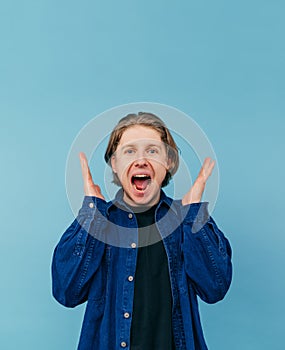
x=148 y=145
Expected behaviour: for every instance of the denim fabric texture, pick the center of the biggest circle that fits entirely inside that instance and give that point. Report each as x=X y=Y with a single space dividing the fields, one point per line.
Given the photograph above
x=88 y=267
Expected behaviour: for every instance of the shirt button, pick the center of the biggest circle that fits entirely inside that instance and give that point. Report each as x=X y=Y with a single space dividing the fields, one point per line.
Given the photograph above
x=130 y=278
x=133 y=245
x=126 y=315
x=123 y=344
x=91 y=205
x=130 y=215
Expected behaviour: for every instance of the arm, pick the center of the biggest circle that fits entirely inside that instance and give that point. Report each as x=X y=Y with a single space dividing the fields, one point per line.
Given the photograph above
x=207 y=254
x=78 y=255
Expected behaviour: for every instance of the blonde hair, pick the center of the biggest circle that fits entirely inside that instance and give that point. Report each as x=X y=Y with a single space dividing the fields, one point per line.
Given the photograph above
x=154 y=122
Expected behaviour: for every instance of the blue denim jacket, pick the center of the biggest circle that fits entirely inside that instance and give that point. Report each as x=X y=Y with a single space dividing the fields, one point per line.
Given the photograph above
x=95 y=261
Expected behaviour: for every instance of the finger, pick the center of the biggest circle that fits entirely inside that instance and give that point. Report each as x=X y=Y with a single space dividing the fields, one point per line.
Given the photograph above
x=208 y=163
x=83 y=163
x=208 y=167
x=86 y=173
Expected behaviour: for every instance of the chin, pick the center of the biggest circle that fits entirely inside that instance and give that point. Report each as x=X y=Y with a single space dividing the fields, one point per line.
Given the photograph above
x=141 y=199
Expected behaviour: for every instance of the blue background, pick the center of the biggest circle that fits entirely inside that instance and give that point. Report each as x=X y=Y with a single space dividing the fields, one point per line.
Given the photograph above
x=64 y=62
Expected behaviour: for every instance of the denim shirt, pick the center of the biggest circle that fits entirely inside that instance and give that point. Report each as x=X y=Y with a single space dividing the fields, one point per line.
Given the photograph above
x=95 y=261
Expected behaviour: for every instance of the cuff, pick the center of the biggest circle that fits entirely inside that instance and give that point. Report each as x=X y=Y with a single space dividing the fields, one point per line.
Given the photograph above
x=91 y=204
x=197 y=212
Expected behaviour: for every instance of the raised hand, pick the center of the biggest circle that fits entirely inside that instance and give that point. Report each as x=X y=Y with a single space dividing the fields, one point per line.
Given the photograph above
x=90 y=189
x=194 y=195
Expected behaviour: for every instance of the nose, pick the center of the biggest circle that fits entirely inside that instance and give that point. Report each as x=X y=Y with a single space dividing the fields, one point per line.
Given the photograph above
x=140 y=162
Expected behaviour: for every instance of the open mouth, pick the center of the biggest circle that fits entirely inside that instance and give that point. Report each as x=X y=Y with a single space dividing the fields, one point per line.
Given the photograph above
x=141 y=181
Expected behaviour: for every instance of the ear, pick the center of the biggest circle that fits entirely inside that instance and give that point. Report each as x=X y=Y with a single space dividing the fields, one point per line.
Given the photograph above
x=113 y=164
x=169 y=164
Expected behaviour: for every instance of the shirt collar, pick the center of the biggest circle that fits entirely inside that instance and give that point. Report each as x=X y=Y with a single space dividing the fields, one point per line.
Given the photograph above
x=119 y=202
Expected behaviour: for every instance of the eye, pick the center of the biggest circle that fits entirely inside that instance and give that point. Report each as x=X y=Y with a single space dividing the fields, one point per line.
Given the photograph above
x=129 y=151
x=152 y=151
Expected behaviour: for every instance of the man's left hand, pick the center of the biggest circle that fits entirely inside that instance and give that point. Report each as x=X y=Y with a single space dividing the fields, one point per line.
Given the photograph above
x=194 y=195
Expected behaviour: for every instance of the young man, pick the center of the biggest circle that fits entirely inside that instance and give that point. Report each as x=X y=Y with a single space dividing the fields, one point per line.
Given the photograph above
x=138 y=260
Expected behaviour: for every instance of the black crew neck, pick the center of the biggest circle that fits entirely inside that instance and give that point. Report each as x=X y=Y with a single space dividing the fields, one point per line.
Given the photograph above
x=142 y=209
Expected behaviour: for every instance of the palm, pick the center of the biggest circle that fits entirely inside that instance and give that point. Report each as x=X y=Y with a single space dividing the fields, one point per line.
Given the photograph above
x=90 y=189
x=194 y=195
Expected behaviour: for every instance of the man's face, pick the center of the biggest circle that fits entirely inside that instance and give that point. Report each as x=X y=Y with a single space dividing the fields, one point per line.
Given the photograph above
x=141 y=163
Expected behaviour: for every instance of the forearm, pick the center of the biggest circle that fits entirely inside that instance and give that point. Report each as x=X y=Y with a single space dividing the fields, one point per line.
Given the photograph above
x=78 y=254
x=207 y=254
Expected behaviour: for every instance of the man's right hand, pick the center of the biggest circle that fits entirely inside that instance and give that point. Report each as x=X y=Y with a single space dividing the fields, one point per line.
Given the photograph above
x=90 y=189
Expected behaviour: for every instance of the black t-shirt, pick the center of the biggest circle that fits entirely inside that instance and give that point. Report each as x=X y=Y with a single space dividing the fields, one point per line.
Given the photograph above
x=152 y=311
